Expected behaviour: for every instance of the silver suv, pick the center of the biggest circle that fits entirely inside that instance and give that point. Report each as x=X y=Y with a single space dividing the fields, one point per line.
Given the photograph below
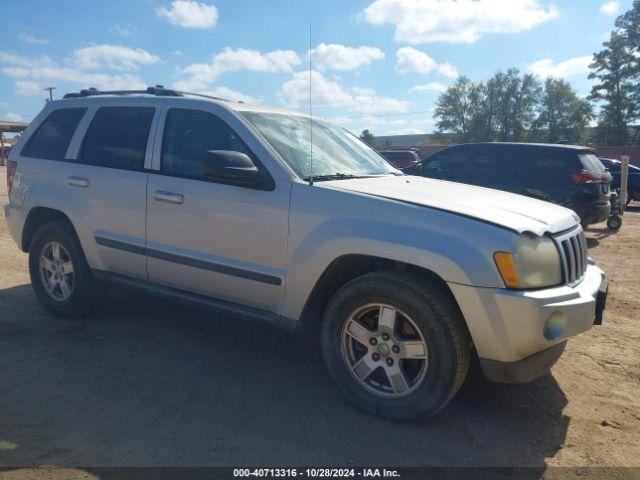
x=406 y=280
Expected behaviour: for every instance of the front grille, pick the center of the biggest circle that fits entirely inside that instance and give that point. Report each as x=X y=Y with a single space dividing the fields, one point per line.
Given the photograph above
x=572 y=246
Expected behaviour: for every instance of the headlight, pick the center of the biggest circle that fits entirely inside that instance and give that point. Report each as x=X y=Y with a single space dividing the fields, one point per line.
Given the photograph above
x=534 y=264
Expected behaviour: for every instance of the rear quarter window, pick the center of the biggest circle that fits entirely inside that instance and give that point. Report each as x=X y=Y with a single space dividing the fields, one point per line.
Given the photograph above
x=51 y=140
x=591 y=163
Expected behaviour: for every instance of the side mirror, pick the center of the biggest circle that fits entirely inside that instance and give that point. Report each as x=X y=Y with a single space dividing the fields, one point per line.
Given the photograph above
x=232 y=166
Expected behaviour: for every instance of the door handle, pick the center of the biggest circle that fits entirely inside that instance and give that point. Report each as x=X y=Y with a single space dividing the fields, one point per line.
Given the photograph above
x=78 y=182
x=168 y=197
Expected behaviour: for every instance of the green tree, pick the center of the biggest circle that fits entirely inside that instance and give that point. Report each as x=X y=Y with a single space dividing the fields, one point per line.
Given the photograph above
x=456 y=110
x=612 y=67
x=562 y=115
x=367 y=137
x=628 y=25
x=517 y=98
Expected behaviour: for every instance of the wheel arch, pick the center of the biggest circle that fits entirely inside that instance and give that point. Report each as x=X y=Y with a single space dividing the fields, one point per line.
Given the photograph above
x=348 y=267
x=37 y=217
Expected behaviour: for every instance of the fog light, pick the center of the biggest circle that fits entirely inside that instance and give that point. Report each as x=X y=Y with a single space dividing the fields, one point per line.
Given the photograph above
x=555 y=326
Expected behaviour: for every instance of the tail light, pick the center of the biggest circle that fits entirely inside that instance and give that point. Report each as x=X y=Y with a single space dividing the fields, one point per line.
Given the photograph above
x=11 y=171
x=584 y=177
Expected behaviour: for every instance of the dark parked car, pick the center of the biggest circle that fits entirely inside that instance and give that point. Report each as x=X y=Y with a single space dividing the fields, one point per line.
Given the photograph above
x=569 y=175
x=400 y=157
x=633 y=181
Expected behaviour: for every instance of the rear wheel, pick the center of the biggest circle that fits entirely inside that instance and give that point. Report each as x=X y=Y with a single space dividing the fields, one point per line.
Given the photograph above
x=396 y=344
x=60 y=276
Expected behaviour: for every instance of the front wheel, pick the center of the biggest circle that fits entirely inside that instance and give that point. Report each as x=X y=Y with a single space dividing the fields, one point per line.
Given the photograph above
x=396 y=344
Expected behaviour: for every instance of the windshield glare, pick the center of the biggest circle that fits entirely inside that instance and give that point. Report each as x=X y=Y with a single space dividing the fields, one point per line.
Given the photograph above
x=335 y=150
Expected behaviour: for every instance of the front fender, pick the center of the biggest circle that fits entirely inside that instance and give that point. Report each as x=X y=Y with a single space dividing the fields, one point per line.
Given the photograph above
x=326 y=224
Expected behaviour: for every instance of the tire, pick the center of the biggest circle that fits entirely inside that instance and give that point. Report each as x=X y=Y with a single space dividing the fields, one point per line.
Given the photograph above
x=614 y=222
x=419 y=303
x=82 y=288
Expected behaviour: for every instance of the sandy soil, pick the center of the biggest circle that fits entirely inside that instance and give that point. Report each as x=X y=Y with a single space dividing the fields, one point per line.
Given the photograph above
x=146 y=382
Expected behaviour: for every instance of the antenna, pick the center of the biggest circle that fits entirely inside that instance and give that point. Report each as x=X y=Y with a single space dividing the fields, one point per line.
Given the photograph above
x=310 y=116
x=50 y=89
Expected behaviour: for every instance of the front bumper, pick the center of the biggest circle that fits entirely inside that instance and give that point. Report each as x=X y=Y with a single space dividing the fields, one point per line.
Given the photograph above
x=514 y=330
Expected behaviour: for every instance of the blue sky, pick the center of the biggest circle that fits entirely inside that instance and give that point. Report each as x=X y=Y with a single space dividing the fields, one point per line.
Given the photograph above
x=378 y=64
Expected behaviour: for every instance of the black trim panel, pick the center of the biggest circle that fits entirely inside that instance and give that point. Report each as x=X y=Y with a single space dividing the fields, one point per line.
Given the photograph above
x=127 y=247
x=190 y=262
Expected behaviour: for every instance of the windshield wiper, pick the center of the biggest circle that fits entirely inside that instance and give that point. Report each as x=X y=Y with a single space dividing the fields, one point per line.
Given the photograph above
x=335 y=176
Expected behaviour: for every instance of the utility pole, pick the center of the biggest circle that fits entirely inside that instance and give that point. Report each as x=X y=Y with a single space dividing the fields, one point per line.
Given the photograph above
x=50 y=89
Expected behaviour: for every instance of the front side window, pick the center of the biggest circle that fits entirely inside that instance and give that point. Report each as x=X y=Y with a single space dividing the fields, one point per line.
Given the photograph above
x=335 y=151
x=117 y=137
x=189 y=135
x=53 y=136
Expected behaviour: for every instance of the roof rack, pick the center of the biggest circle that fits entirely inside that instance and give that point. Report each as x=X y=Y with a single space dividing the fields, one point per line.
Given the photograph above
x=158 y=91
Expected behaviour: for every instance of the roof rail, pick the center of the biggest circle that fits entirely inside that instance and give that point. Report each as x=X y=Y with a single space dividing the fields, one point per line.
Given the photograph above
x=158 y=90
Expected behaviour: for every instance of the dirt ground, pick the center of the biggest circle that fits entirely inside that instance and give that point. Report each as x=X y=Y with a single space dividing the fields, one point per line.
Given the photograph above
x=146 y=382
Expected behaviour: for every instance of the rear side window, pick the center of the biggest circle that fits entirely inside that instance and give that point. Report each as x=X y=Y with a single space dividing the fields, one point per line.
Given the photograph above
x=53 y=136
x=553 y=160
x=117 y=137
x=189 y=134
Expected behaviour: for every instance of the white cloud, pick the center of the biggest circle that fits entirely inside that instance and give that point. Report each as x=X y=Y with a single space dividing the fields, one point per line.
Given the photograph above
x=610 y=8
x=456 y=21
x=330 y=93
x=117 y=57
x=32 y=72
x=406 y=131
x=28 y=38
x=199 y=75
x=189 y=14
x=12 y=117
x=448 y=70
x=428 y=87
x=366 y=100
x=230 y=94
x=568 y=68
x=341 y=57
x=411 y=60
x=122 y=30
x=29 y=88
x=295 y=92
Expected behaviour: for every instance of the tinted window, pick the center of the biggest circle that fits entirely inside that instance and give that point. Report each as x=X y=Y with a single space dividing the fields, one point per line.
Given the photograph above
x=117 y=137
x=449 y=160
x=497 y=160
x=189 y=134
x=53 y=136
x=552 y=160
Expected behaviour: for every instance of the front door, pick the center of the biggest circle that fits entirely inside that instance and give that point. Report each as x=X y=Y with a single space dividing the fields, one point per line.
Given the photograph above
x=222 y=240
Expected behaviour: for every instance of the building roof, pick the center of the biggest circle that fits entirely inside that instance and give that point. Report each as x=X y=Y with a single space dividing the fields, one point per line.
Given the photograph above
x=12 y=127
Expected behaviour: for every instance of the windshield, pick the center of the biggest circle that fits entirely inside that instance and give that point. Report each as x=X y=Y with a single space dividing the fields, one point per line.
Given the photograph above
x=336 y=152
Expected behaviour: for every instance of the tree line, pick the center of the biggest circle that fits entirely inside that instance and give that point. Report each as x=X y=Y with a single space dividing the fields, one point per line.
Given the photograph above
x=512 y=107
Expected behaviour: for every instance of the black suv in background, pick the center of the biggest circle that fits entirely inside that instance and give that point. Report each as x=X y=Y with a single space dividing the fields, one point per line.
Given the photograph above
x=571 y=176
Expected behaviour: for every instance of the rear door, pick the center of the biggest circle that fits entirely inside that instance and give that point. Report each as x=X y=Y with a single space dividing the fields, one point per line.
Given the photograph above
x=498 y=166
x=106 y=184
x=549 y=174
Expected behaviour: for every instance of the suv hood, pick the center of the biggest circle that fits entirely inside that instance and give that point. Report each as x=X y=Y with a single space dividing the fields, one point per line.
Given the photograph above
x=515 y=212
